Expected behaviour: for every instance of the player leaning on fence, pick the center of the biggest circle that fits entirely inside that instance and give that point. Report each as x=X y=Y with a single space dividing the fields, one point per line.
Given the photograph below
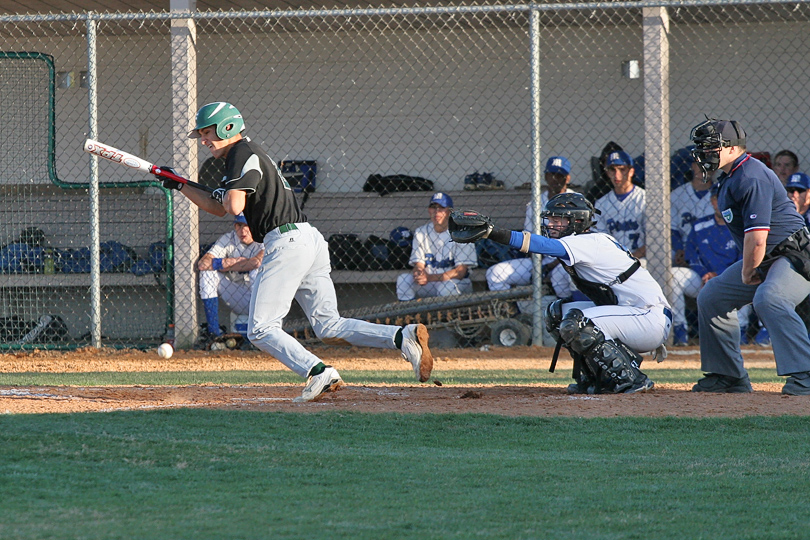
x=774 y=273
x=296 y=258
x=628 y=313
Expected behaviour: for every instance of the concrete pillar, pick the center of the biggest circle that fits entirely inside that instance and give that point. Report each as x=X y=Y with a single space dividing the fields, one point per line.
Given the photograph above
x=656 y=142
x=184 y=159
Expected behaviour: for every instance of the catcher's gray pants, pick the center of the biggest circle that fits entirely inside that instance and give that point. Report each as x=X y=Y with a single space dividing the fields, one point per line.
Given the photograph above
x=775 y=302
x=296 y=265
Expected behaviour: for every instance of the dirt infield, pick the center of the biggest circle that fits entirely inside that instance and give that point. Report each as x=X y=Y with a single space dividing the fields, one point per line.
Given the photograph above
x=431 y=397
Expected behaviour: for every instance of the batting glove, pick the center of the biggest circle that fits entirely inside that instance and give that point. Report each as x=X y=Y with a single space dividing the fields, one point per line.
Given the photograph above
x=168 y=183
x=218 y=194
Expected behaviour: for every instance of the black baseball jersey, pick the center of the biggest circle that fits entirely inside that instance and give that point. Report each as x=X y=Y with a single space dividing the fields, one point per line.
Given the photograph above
x=751 y=197
x=269 y=200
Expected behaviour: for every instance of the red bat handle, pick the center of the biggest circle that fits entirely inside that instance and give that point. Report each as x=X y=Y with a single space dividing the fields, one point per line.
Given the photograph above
x=157 y=171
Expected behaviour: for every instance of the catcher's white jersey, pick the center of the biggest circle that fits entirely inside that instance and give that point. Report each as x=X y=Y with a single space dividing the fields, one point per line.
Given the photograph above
x=229 y=246
x=599 y=257
x=623 y=218
x=687 y=207
x=439 y=252
x=642 y=318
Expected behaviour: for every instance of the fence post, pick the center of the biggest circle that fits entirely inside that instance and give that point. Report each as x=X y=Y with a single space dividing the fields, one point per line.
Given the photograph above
x=537 y=187
x=656 y=143
x=95 y=218
x=184 y=156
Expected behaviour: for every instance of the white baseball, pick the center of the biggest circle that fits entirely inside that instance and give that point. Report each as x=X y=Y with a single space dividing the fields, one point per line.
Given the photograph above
x=165 y=350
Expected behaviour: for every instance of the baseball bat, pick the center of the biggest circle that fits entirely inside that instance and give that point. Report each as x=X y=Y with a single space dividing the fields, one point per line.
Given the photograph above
x=115 y=155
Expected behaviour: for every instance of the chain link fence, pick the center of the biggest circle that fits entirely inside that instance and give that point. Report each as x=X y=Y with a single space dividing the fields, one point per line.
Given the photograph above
x=369 y=113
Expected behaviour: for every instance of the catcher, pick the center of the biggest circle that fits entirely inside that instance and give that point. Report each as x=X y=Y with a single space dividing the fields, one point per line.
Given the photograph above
x=628 y=312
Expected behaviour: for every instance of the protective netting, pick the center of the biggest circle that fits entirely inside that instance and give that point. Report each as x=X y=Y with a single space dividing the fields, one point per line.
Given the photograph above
x=364 y=106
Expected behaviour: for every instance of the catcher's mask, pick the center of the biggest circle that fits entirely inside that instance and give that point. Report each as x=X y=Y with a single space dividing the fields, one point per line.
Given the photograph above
x=712 y=135
x=574 y=206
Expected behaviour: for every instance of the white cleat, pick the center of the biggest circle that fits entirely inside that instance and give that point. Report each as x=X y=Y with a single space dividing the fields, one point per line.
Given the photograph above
x=328 y=381
x=415 y=350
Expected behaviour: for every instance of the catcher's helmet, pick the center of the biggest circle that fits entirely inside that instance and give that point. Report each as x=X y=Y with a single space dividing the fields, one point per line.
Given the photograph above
x=574 y=206
x=224 y=116
x=710 y=136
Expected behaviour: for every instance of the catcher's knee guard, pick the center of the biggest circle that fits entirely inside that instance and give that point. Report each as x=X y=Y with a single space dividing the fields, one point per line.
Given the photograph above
x=579 y=333
x=613 y=366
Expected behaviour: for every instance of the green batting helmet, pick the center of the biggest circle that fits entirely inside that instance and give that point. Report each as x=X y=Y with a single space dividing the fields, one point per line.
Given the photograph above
x=221 y=114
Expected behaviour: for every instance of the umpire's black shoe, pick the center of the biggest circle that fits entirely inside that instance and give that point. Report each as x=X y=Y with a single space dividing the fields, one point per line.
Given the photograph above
x=723 y=384
x=798 y=384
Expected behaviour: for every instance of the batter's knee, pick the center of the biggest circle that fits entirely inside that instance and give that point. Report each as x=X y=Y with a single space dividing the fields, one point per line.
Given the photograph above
x=262 y=329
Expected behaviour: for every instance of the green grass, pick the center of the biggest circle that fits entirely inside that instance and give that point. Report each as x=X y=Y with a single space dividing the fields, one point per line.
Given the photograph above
x=199 y=474
x=404 y=377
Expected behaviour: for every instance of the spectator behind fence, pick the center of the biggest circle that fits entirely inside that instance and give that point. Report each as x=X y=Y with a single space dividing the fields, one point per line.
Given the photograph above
x=441 y=267
x=797 y=188
x=600 y=184
x=507 y=274
x=785 y=165
x=689 y=203
x=228 y=270
x=709 y=249
x=624 y=217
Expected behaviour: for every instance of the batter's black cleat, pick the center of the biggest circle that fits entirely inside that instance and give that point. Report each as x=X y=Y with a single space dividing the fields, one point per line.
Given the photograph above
x=723 y=384
x=798 y=384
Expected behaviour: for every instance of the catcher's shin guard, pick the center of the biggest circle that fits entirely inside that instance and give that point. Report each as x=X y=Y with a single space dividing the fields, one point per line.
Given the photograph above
x=614 y=366
x=554 y=318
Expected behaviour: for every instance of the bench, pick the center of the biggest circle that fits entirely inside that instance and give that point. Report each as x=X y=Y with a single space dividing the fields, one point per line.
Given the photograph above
x=366 y=214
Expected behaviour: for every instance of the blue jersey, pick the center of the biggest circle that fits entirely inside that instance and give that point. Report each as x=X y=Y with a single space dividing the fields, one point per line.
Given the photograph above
x=710 y=247
x=752 y=198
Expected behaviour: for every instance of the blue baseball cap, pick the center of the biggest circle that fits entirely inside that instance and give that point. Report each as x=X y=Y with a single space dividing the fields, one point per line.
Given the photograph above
x=619 y=157
x=798 y=181
x=240 y=219
x=442 y=199
x=558 y=165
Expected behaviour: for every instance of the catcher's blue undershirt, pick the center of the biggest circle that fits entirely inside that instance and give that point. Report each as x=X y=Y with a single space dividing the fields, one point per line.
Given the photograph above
x=540 y=244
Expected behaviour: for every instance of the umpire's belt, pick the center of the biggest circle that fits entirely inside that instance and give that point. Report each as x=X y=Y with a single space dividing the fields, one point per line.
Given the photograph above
x=795 y=248
x=287 y=227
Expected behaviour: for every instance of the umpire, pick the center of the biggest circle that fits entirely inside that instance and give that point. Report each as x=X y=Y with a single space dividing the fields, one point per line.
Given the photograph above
x=774 y=273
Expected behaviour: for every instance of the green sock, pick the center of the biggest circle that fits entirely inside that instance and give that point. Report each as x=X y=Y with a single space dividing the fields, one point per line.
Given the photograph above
x=317 y=370
x=398 y=339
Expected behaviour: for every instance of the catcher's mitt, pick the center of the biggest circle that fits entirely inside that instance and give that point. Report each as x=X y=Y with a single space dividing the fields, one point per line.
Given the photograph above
x=468 y=226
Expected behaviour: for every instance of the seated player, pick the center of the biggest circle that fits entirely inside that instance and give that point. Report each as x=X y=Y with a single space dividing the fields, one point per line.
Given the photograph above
x=227 y=271
x=506 y=274
x=628 y=312
x=440 y=266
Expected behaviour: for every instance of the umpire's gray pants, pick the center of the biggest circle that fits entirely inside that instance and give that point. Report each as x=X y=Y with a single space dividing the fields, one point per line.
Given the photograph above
x=775 y=302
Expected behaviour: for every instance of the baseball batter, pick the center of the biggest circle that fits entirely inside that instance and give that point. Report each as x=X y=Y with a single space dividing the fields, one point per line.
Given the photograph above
x=227 y=271
x=296 y=259
x=440 y=266
x=628 y=312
